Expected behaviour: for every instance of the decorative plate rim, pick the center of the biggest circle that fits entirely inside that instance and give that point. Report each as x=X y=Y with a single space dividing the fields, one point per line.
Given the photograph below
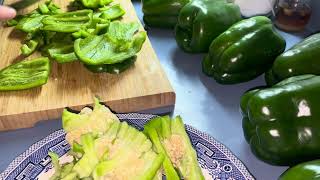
x=224 y=149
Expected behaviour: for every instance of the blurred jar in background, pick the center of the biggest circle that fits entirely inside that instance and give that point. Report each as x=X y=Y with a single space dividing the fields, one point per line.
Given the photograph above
x=292 y=15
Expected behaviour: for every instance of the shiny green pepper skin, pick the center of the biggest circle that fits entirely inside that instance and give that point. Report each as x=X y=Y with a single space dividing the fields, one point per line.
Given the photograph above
x=281 y=123
x=162 y=13
x=305 y=171
x=243 y=52
x=303 y=58
x=201 y=21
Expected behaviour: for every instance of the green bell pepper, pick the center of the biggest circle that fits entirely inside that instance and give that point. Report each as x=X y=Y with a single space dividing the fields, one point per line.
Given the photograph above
x=201 y=21
x=121 y=42
x=281 y=123
x=112 y=68
x=304 y=171
x=243 y=52
x=25 y=74
x=68 y=22
x=162 y=13
x=300 y=59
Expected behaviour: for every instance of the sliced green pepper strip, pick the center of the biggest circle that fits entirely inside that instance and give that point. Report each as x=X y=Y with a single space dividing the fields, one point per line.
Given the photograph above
x=95 y=3
x=62 y=53
x=43 y=8
x=15 y=21
x=31 y=23
x=29 y=47
x=113 y=12
x=25 y=74
x=113 y=68
x=116 y=46
x=68 y=22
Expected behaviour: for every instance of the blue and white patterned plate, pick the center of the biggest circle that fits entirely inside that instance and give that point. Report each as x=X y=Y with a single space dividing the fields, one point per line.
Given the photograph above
x=215 y=159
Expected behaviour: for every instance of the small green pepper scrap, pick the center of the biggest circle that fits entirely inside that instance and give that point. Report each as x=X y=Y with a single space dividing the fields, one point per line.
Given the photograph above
x=25 y=74
x=112 y=12
x=95 y=3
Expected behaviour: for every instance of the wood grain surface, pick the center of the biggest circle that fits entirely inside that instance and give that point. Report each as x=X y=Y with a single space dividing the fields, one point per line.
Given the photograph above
x=142 y=87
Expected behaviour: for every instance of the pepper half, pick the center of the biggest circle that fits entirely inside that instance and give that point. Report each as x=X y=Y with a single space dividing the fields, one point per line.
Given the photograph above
x=201 y=21
x=281 y=123
x=243 y=52
x=300 y=59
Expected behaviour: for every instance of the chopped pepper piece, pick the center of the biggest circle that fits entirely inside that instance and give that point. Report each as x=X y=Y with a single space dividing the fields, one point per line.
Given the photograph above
x=68 y=22
x=118 y=44
x=25 y=74
x=112 y=12
x=95 y=3
x=31 y=23
x=201 y=21
x=29 y=47
x=113 y=68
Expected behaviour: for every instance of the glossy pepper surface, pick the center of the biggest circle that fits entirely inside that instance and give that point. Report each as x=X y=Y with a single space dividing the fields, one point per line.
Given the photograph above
x=201 y=21
x=162 y=13
x=303 y=58
x=281 y=123
x=243 y=52
x=304 y=171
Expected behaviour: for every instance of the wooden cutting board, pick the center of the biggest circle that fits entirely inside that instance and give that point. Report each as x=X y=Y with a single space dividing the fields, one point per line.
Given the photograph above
x=142 y=87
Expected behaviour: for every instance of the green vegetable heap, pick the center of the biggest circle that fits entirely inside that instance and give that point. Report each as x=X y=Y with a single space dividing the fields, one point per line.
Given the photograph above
x=92 y=36
x=105 y=148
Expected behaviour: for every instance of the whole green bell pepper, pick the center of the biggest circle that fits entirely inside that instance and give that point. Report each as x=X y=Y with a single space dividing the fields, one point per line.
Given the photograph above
x=201 y=21
x=162 y=13
x=300 y=59
x=281 y=123
x=243 y=52
x=304 y=171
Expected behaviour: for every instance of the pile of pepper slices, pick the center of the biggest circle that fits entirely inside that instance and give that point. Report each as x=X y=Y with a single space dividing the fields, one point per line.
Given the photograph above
x=90 y=33
x=280 y=120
